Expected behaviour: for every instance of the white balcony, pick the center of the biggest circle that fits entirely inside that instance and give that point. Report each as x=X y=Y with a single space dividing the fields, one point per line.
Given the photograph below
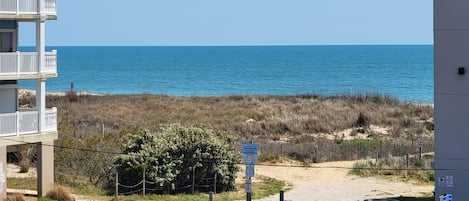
x=26 y=122
x=28 y=7
x=24 y=65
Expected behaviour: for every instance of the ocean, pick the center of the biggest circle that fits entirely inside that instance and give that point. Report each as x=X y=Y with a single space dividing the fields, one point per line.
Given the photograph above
x=403 y=71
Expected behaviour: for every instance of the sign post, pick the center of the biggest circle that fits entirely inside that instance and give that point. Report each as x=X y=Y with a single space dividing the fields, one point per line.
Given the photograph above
x=420 y=149
x=250 y=159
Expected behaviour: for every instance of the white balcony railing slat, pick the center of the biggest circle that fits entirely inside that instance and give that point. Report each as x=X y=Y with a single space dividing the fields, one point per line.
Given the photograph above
x=50 y=7
x=8 y=6
x=26 y=122
x=51 y=62
x=51 y=119
x=8 y=63
x=8 y=124
x=26 y=63
x=27 y=7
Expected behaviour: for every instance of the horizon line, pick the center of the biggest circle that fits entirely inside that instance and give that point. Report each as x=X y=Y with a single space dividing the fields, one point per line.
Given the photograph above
x=220 y=45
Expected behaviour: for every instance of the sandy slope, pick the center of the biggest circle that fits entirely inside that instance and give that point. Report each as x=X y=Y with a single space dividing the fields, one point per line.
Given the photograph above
x=324 y=182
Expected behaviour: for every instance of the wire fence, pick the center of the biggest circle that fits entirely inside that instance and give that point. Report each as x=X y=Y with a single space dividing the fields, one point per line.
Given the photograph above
x=316 y=150
x=405 y=153
x=146 y=186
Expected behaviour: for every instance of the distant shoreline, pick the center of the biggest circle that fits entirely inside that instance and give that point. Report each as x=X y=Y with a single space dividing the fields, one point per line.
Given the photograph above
x=25 y=92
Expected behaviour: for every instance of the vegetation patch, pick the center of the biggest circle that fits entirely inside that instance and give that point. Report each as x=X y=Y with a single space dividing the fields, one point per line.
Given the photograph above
x=302 y=127
x=408 y=168
x=180 y=160
x=28 y=183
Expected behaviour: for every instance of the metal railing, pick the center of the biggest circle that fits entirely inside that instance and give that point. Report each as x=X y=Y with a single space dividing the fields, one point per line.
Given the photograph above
x=27 y=7
x=26 y=63
x=26 y=122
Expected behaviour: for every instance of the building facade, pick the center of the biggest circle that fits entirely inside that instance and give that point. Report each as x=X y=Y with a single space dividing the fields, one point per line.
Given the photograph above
x=451 y=48
x=36 y=124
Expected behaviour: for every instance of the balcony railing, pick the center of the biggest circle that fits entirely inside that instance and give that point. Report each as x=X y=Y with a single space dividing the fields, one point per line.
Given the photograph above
x=26 y=122
x=26 y=63
x=27 y=7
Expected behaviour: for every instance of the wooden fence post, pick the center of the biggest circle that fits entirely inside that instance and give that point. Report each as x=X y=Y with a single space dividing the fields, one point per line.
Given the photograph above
x=210 y=196
x=193 y=179
x=144 y=181
x=117 y=185
x=215 y=184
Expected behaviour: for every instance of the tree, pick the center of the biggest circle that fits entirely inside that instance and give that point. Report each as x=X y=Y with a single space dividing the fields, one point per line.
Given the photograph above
x=170 y=156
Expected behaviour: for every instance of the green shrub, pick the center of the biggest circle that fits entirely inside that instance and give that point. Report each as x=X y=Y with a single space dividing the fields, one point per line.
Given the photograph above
x=169 y=156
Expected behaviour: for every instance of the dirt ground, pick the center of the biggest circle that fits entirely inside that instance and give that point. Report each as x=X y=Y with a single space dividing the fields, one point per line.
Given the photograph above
x=323 y=182
x=330 y=181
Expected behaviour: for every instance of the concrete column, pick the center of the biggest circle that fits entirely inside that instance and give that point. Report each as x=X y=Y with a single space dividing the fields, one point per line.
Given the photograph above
x=41 y=83
x=3 y=161
x=41 y=43
x=41 y=103
x=45 y=167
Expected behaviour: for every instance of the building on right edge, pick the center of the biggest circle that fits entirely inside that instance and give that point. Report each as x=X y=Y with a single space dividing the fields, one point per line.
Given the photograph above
x=451 y=60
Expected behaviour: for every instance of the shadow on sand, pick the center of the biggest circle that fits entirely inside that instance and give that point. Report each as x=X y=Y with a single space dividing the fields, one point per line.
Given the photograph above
x=405 y=199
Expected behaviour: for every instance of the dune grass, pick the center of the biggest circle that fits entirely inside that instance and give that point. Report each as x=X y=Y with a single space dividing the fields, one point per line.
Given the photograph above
x=296 y=126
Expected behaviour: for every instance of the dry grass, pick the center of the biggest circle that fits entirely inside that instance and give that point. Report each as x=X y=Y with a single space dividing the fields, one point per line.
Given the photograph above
x=302 y=127
x=60 y=193
x=245 y=115
x=299 y=119
x=15 y=197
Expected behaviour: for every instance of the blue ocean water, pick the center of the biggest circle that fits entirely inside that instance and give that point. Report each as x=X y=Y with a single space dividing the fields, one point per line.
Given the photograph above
x=404 y=71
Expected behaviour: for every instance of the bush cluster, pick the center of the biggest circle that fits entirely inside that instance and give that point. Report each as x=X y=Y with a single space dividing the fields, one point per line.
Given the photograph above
x=173 y=156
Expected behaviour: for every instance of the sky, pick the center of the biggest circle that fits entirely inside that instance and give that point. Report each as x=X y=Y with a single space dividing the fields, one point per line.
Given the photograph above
x=237 y=22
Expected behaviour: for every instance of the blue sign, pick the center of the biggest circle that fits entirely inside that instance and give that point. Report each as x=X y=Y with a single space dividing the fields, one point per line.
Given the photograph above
x=250 y=159
x=249 y=170
x=250 y=148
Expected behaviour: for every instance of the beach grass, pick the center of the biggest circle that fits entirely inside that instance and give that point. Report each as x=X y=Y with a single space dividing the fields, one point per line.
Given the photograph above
x=308 y=128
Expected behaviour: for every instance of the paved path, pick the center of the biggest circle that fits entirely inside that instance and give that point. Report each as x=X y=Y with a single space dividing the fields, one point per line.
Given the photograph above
x=331 y=182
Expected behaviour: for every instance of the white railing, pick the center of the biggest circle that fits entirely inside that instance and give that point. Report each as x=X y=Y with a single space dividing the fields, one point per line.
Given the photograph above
x=51 y=119
x=50 y=7
x=26 y=63
x=23 y=123
x=27 y=7
x=51 y=62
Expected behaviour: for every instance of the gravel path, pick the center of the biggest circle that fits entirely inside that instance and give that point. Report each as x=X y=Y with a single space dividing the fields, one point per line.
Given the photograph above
x=330 y=181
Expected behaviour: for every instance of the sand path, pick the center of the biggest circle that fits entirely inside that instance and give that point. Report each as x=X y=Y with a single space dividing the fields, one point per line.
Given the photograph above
x=325 y=182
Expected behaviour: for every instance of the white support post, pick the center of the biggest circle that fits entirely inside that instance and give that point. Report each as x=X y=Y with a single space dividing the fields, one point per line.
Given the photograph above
x=45 y=167
x=18 y=63
x=3 y=172
x=41 y=103
x=40 y=7
x=17 y=123
x=41 y=83
x=17 y=7
x=41 y=44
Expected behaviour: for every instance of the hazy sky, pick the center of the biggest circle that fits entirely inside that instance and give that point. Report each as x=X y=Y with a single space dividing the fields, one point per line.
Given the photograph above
x=237 y=22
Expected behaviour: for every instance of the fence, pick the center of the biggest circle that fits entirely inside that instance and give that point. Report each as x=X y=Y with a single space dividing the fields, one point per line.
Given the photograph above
x=146 y=186
x=323 y=150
